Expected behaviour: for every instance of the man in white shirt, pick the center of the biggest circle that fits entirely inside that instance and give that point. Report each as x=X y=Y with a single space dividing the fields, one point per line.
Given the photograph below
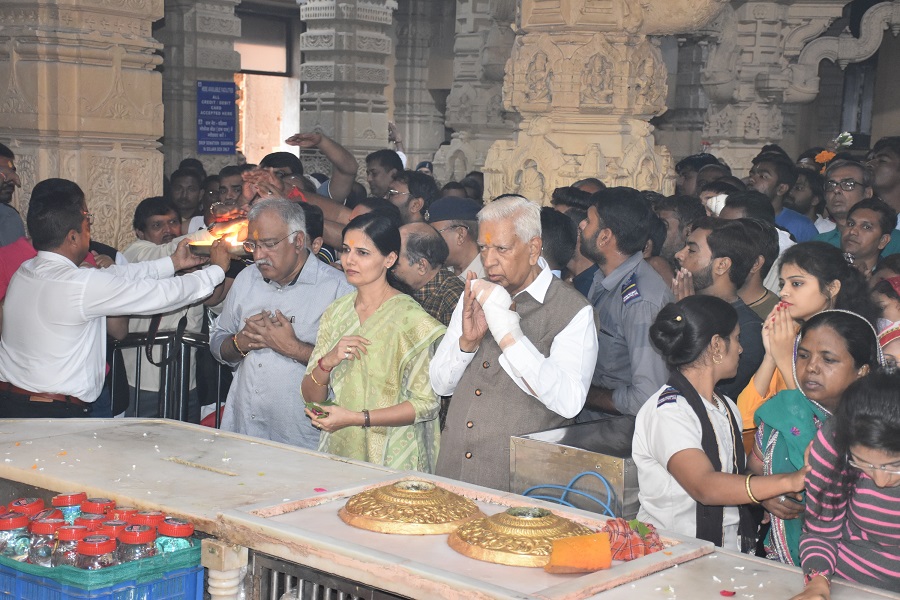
x=53 y=350
x=519 y=351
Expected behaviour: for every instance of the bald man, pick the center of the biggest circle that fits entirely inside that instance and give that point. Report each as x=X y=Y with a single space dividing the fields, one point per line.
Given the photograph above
x=423 y=252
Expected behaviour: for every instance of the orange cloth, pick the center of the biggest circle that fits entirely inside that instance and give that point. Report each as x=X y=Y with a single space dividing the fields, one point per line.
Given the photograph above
x=750 y=400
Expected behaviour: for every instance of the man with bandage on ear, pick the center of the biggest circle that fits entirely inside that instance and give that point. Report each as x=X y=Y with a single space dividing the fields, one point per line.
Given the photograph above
x=519 y=352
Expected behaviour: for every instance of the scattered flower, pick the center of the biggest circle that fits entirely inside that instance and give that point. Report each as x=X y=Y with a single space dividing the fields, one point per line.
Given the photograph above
x=824 y=156
x=319 y=490
x=795 y=431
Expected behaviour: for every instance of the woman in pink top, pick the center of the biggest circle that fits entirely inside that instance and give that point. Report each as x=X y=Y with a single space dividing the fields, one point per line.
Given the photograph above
x=852 y=521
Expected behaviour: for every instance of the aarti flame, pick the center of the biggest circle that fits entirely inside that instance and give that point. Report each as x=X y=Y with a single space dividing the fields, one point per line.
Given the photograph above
x=234 y=233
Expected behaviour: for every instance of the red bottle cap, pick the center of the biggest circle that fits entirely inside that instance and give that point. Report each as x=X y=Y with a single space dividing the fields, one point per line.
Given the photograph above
x=121 y=513
x=47 y=513
x=69 y=499
x=175 y=528
x=91 y=521
x=13 y=520
x=112 y=528
x=27 y=506
x=96 y=545
x=137 y=534
x=151 y=518
x=45 y=526
x=99 y=506
x=70 y=533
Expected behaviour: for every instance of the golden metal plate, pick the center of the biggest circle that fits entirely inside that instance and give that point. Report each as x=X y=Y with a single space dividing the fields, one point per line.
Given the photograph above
x=522 y=536
x=410 y=507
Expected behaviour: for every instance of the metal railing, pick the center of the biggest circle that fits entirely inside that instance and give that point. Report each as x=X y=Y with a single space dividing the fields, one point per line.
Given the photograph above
x=174 y=376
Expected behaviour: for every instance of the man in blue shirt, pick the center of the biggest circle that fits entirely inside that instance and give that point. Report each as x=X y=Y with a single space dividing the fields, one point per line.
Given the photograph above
x=774 y=175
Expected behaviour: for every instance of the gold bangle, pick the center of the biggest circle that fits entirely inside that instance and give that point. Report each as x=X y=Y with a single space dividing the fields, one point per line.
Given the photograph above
x=312 y=376
x=236 y=347
x=749 y=493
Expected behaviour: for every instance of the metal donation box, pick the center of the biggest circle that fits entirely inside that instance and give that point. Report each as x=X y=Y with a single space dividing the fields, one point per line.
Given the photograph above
x=556 y=456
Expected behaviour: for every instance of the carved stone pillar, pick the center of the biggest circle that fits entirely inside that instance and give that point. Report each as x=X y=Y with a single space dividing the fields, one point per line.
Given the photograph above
x=79 y=99
x=749 y=74
x=475 y=111
x=346 y=44
x=586 y=80
x=420 y=121
x=199 y=40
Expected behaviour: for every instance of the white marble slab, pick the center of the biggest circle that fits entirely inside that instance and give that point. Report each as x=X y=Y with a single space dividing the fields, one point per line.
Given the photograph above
x=749 y=577
x=407 y=564
x=182 y=469
x=250 y=492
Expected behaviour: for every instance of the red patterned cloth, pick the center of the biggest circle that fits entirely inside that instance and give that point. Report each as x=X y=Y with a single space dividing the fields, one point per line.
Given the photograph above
x=627 y=544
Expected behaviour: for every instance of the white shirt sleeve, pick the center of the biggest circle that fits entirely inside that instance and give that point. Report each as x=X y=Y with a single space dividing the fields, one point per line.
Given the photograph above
x=559 y=381
x=449 y=362
x=107 y=294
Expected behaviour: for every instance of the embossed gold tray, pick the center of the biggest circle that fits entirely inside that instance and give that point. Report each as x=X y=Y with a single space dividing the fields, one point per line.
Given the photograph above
x=409 y=507
x=521 y=536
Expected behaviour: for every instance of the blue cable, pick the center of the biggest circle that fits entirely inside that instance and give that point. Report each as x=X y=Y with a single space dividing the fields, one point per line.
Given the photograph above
x=566 y=490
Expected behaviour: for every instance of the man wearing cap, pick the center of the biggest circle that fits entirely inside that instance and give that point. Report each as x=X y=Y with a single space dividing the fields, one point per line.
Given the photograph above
x=425 y=167
x=457 y=221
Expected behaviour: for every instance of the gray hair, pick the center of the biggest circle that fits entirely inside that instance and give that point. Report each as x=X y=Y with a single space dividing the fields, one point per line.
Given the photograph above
x=428 y=245
x=292 y=214
x=526 y=215
x=867 y=179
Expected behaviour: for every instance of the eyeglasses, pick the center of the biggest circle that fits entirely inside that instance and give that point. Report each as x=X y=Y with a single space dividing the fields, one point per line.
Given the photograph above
x=252 y=247
x=466 y=227
x=889 y=470
x=848 y=185
x=397 y=193
x=89 y=217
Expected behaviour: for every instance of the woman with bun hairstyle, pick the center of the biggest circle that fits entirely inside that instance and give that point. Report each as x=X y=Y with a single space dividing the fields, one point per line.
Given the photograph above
x=686 y=445
x=852 y=522
x=814 y=276
x=834 y=349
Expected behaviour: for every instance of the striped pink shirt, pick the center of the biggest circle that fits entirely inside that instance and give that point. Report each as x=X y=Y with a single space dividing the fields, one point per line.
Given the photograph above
x=860 y=541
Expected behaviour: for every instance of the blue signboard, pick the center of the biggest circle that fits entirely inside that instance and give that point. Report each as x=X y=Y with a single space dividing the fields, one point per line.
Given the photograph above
x=216 y=117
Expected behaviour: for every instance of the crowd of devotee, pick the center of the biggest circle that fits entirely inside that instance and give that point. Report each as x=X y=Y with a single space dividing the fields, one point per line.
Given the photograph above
x=750 y=325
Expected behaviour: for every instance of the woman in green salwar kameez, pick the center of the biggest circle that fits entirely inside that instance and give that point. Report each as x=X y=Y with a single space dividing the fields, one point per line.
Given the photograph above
x=371 y=358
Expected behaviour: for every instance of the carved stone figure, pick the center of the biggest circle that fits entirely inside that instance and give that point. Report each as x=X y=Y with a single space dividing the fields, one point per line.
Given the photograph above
x=596 y=80
x=538 y=79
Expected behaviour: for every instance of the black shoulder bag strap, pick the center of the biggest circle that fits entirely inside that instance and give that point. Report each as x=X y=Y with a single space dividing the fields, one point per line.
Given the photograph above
x=151 y=336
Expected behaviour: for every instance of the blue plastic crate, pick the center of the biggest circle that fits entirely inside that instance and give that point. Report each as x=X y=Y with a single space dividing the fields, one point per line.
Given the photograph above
x=182 y=584
x=178 y=576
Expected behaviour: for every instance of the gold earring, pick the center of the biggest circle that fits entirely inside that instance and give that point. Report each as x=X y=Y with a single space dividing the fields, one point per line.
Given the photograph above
x=717 y=358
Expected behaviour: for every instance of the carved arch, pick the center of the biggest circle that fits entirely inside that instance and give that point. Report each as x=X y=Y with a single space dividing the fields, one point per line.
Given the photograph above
x=843 y=50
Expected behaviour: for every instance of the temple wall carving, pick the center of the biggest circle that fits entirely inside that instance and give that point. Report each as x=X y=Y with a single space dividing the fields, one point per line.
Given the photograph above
x=586 y=79
x=80 y=99
x=475 y=108
x=756 y=67
x=347 y=45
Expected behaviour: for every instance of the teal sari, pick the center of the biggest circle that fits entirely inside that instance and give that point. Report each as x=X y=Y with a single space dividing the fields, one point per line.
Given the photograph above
x=789 y=422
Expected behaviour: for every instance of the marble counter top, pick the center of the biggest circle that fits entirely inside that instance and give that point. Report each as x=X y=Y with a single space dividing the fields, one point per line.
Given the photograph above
x=282 y=501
